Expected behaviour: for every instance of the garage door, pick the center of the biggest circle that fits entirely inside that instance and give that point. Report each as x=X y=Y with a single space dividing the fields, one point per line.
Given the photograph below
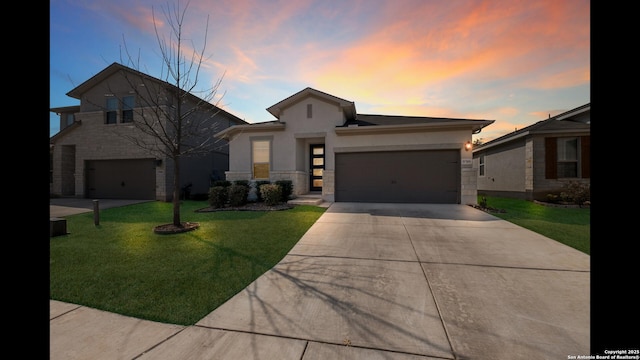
x=121 y=179
x=431 y=176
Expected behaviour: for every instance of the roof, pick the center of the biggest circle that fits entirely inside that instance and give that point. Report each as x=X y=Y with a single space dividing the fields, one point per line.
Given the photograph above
x=347 y=106
x=358 y=123
x=399 y=120
x=64 y=131
x=577 y=119
x=115 y=67
x=229 y=132
x=66 y=109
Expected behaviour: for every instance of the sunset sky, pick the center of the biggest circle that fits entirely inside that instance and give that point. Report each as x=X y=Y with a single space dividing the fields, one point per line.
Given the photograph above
x=515 y=62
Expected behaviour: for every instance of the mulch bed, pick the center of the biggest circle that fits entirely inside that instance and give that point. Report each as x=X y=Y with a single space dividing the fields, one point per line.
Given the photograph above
x=166 y=229
x=489 y=209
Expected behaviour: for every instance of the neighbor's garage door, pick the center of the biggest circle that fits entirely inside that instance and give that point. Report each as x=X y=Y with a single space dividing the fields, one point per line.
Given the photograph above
x=431 y=176
x=121 y=179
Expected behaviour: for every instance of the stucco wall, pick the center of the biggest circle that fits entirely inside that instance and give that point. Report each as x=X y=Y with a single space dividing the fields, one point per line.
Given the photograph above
x=290 y=147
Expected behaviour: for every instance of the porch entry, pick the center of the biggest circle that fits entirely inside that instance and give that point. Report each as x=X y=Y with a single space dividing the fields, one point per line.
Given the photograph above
x=316 y=162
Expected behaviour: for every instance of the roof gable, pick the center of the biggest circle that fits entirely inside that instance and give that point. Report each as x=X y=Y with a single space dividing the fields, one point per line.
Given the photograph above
x=577 y=119
x=347 y=106
x=115 y=67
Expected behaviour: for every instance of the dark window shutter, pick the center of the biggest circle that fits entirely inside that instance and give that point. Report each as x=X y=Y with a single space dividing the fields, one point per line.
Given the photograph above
x=551 y=158
x=585 y=150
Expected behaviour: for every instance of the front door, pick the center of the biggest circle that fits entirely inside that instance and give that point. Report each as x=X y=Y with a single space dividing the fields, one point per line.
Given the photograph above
x=317 y=167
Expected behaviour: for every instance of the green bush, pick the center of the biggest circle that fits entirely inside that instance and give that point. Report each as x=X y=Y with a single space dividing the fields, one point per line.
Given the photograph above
x=576 y=192
x=223 y=183
x=258 y=184
x=287 y=189
x=271 y=194
x=553 y=198
x=241 y=182
x=238 y=194
x=218 y=196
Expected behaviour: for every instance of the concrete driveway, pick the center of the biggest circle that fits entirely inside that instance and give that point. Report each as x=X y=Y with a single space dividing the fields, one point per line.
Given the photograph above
x=377 y=281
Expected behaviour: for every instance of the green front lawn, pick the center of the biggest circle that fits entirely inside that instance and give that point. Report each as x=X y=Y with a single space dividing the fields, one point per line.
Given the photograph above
x=122 y=266
x=570 y=226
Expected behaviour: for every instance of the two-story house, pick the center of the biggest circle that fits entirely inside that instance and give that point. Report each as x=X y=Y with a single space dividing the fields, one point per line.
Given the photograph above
x=100 y=152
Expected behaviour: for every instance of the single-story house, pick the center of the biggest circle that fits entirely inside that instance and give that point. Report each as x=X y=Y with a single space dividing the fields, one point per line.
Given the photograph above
x=93 y=155
x=539 y=159
x=320 y=143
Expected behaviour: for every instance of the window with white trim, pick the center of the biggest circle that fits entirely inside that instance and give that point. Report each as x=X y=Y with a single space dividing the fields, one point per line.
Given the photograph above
x=568 y=157
x=261 y=158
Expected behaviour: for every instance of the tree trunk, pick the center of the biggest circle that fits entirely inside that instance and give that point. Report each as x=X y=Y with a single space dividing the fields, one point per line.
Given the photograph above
x=176 y=191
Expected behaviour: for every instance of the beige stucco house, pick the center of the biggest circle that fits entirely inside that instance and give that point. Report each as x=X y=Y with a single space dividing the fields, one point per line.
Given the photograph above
x=539 y=159
x=324 y=146
x=93 y=155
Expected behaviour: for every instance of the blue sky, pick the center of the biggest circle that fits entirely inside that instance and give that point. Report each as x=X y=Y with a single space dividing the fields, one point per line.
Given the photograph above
x=515 y=62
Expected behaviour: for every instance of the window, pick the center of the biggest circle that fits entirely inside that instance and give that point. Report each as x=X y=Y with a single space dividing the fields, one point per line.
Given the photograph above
x=481 y=165
x=309 y=111
x=128 y=103
x=112 y=110
x=261 y=154
x=69 y=119
x=568 y=157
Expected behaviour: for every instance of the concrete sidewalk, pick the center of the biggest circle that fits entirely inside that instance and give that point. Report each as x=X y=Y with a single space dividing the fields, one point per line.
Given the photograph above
x=375 y=281
x=61 y=207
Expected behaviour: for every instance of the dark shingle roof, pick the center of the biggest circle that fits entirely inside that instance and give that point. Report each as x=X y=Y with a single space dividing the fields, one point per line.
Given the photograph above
x=370 y=119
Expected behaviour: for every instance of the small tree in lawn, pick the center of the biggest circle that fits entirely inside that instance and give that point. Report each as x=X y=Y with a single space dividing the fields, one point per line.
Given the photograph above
x=184 y=125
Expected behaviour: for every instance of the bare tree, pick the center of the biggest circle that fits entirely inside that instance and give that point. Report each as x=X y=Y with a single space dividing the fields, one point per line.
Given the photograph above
x=172 y=120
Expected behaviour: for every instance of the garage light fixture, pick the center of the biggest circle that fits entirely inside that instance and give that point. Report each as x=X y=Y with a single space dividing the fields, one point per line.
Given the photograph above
x=467 y=145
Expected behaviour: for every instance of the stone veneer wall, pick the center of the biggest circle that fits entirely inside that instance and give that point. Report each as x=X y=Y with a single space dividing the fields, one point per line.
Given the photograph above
x=469 y=190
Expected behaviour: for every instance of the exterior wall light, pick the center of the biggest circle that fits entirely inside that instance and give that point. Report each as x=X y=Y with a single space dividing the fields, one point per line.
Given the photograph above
x=467 y=146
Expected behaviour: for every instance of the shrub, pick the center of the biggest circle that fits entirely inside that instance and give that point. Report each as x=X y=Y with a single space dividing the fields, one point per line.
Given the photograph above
x=223 y=183
x=217 y=196
x=238 y=194
x=271 y=194
x=576 y=192
x=241 y=182
x=259 y=183
x=553 y=198
x=286 y=186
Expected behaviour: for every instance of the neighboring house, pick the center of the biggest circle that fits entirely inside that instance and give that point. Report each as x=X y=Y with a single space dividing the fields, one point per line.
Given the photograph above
x=92 y=157
x=539 y=159
x=324 y=146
